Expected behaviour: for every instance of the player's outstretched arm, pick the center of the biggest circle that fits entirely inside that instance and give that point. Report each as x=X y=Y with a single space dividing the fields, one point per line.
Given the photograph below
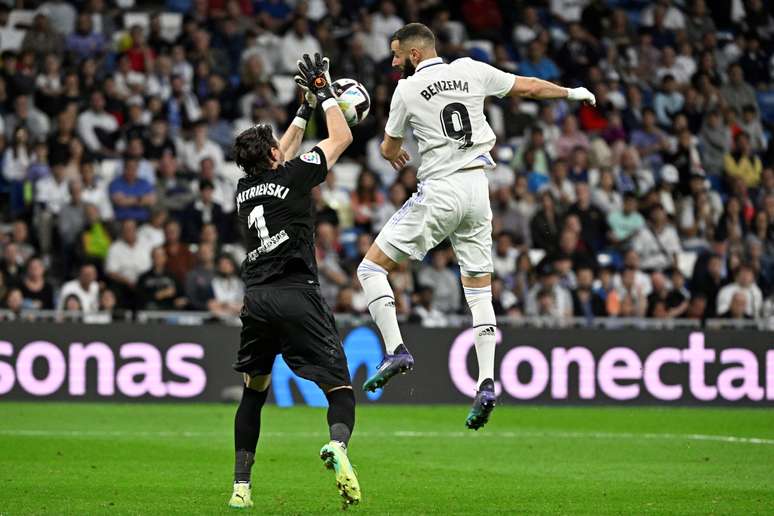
x=339 y=134
x=314 y=75
x=291 y=140
x=534 y=88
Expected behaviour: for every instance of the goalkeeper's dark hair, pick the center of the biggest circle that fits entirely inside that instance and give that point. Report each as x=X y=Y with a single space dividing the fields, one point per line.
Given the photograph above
x=418 y=31
x=252 y=148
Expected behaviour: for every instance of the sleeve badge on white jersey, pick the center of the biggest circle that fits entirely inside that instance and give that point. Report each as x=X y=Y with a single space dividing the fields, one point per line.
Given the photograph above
x=311 y=157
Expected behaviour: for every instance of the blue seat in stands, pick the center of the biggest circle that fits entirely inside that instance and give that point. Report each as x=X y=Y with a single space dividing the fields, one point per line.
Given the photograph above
x=766 y=104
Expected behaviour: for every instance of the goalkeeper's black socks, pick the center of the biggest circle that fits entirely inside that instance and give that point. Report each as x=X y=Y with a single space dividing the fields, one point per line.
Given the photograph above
x=341 y=414
x=247 y=428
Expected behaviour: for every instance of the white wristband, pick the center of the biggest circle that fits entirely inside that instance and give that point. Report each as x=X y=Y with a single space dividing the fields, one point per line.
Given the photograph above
x=299 y=122
x=329 y=103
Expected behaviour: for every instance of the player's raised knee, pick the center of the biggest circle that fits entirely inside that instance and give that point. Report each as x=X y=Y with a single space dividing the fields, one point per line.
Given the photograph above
x=258 y=383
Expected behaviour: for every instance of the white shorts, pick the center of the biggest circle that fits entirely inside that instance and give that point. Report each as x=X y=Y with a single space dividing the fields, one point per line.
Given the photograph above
x=455 y=207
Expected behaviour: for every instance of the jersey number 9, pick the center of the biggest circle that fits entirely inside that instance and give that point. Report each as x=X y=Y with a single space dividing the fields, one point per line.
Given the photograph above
x=455 y=121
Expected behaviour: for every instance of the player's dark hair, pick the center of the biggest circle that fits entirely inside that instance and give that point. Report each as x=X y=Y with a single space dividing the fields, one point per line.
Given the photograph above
x=252 y=148
x=414 y=31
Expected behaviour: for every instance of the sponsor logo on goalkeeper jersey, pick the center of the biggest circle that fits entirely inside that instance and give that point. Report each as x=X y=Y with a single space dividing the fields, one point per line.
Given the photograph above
x=269 y=245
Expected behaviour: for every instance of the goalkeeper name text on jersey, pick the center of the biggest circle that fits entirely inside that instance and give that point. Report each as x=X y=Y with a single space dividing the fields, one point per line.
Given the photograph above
x=444 y=106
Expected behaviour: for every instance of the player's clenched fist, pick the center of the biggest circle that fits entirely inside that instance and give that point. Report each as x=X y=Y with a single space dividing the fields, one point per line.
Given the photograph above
x=315 y=77
x=581 y=94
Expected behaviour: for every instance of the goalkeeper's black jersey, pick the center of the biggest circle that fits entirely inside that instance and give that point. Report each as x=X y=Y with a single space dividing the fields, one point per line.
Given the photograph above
x=276 y=217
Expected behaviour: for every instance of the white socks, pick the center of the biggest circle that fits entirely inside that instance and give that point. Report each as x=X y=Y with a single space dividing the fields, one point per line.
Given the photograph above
x=484 y=325
x=381 y=303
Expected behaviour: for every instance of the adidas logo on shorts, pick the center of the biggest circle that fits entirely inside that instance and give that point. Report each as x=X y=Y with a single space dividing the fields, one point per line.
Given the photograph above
x=389 y=304
x=488 y=331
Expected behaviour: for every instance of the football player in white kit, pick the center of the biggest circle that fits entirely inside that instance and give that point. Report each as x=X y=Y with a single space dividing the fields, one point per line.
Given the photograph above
x=444 y=105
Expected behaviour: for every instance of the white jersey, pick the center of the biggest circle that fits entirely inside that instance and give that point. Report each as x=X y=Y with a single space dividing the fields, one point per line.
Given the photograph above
x=444 y=106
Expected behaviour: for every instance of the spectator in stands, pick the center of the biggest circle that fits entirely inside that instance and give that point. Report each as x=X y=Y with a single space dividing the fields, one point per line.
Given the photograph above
x=198 y=282
x=219 y=130
x=26 y=114
x=556 y=300
x=328 y=249
x=445 y=284
x=14 y=301
x=182 y=106
x=396 y=196
x=586 y=302
x=203 y=211
x=537 y=64
x=360 y=63
x=571 y=138
x=385 y=21
x=742 y=163
x=698 y=22
x=199 y=148
x=228 y=289
x=604 y=196
x=504 y=255
x=715 y=140
x=37 y=292
x=593 y=224
x=544 y=225
x=738 y=93
x=173 y=193
x=180 y=260
x=158 y=141
x=650 y=141
x=158 y=289
x=560 y=188
x=737 y=308
x=366 y=200
x=744 y=284
x=627 y=222
x=97 y=128
x=513 y=210
x=131 y=195
x=51 y=193
x=126 y=260
x=424 y=312
x=657 y=242
x=95 y=240
x=11 y=266
x=631 y=176
x=72 y=219
x=42 y=39
x=296 y=42
x=668 y=101
x=20 y=237
x=151 y=234
x=84 y=288
x=85 y=42
x=541 y=157
x=752 y=127
x=15 y=162
x=224 y=187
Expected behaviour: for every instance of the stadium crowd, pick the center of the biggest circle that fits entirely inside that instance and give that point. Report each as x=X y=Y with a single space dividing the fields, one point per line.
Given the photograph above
x=117 y=186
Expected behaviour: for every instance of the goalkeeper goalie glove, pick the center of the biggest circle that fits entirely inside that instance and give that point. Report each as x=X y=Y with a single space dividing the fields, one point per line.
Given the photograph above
x=314 y=77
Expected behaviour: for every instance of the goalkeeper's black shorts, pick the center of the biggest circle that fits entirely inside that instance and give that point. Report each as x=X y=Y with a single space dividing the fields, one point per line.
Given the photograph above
x=296 y=322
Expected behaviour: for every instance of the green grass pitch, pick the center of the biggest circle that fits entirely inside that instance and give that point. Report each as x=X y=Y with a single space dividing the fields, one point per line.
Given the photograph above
x=59 y=458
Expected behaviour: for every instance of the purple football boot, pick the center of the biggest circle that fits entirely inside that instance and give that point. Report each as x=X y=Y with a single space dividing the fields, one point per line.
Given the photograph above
x=483 y=404
x=399 y=363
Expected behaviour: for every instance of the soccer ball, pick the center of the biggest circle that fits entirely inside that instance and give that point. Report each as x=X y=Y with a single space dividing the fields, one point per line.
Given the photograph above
x=353 y=99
